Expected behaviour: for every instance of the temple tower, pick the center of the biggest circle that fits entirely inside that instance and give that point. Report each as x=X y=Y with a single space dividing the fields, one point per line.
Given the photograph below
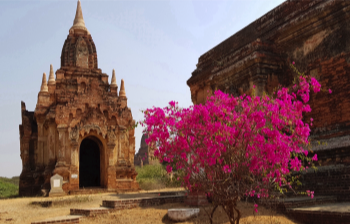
x=81 y=128
x=145 y=154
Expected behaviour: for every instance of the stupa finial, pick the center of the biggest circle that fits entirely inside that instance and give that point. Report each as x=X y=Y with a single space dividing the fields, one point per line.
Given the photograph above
x=44 y=87
x=51 y=76
x=114 y=80
x=122 y=89
x=79 y=23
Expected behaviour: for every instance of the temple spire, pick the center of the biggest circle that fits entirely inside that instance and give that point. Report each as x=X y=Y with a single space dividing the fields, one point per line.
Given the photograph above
x=78 y=23
x=122 y=89
x=44 y=87
x=114 y=80
x=51 y=76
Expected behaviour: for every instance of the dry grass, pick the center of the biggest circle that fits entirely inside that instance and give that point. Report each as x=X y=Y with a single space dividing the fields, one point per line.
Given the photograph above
x=158 y=214
x=62 y=201
x=151 y=184
x=22 y=211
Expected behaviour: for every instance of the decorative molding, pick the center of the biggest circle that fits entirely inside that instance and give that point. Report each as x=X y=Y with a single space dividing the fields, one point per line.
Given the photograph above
x=111 y=136
x=74 y=134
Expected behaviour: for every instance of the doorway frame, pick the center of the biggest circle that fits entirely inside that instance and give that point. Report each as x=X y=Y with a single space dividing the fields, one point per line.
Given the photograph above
x=103 y=163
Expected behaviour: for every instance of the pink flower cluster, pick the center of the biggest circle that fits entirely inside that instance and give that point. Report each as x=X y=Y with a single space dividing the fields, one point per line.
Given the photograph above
x=310 y=193
x=227 y=169
x=316 y=85
x=259 y=133
x=256 y=208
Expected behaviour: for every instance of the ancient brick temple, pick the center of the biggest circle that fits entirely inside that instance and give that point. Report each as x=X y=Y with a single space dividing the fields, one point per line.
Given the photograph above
x=81 y=128
x=145 y=155
x=316 y=35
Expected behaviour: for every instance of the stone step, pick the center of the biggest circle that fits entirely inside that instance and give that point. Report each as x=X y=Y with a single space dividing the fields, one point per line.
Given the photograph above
x=61 y=219
x=297 y=202
x=306 y=198
x=114 y=205
x=121 y=204
x=92 y=190
x=327 y=213
x=182 y=214
x=90 y=211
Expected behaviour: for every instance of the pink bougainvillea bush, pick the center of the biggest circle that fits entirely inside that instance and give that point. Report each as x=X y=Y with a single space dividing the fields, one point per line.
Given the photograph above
x=232 y=147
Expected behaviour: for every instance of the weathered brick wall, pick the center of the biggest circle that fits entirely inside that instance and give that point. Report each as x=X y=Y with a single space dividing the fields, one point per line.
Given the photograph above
x=313 y=34
x=260 y=54
x=28 y=139
x=328 y=180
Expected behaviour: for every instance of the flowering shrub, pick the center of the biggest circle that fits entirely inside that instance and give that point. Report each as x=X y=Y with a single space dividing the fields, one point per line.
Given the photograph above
x=234 y=147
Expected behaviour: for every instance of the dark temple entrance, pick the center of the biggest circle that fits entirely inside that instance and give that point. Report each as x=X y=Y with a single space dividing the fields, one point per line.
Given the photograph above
x=89 y=163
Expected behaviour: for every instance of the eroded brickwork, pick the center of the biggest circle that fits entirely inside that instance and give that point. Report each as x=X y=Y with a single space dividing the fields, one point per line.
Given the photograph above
x=313 y=34
x=79 y=104
x=145 y=155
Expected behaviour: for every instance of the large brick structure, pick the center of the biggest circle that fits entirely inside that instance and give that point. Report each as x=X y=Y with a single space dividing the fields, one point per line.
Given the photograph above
x=145 y=155
x=316 y=35
x=81 y=128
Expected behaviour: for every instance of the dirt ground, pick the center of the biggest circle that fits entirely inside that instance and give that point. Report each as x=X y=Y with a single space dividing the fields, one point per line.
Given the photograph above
x=22 y=211
x=158 y=215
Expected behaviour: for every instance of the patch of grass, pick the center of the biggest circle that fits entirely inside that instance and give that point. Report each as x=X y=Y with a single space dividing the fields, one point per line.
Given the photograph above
x=13 y=180
x=154 y=177
x=156 y=171
x=8 y=187
x=151 y=184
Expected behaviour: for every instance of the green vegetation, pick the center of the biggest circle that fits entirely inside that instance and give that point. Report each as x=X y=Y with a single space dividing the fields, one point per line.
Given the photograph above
x=151 y=177
x=8 y=187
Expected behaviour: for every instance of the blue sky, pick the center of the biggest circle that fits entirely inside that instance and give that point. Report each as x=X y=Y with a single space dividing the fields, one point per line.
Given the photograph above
x=153 y=45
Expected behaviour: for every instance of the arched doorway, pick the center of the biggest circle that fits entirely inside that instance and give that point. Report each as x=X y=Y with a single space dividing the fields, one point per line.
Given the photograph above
x=89 y=163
